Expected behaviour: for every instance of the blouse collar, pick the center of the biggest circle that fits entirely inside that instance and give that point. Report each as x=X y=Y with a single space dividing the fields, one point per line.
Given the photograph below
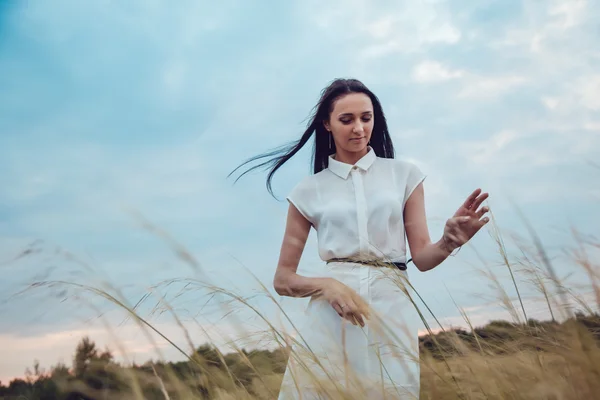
x=343 y=169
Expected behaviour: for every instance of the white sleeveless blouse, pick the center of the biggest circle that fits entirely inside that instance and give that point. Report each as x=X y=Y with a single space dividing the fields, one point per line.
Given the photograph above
x=357 y=210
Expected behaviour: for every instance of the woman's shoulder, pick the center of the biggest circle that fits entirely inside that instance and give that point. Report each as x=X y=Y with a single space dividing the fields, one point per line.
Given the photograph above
x=405 y=171
x=400 y=163
x=302 y=195
x=309 y=182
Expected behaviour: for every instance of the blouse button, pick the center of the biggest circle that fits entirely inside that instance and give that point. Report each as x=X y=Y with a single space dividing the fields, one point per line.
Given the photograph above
x=355 y=168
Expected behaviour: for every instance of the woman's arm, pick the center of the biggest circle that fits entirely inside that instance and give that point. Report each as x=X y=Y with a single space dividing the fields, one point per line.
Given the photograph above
x=286 y=281
x=345 y=301
x=425 y=254
x=459 y=229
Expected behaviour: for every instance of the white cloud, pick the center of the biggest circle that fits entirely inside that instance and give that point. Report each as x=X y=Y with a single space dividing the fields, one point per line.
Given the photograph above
x=578 y=96
x=492 y=150
x=550 y=102
x=530 y=148
x=592 y=126
x=569 y=13
x=409 y=40
x=540 y=164
x=487 y=87
x=405 y=26
x=433 y=71
x=444 y=33
x=588 y=91
x=555 y=32
x=382 y=28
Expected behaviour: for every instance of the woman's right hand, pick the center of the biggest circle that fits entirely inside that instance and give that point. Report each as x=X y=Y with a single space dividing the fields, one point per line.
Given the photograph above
x=345 y=301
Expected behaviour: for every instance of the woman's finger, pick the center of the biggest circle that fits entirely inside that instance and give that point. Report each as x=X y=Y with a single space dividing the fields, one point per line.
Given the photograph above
x=342 y=308
x=338 y=309
x=471 y=198
x=477 y=202
x=362 y=306
x=453 y=239
x=481 y=212
x=358 y=319
x=357 y=309
x=352 y=314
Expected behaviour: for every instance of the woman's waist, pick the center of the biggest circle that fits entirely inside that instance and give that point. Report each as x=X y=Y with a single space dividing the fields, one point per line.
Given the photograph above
x=372 y=257
x=357 y=274
x=370 y=262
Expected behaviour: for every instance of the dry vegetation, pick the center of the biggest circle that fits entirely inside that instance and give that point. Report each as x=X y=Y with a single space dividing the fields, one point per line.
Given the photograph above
x=518 y=359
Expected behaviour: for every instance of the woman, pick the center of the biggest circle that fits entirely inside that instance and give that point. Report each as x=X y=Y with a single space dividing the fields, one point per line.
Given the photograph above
x=359 y=337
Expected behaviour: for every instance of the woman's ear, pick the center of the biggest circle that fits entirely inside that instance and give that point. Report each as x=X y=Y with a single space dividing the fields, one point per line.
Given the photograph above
x=326 y=125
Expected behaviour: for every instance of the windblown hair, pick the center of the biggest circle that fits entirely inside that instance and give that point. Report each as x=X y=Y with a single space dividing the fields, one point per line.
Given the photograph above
x=323 y=145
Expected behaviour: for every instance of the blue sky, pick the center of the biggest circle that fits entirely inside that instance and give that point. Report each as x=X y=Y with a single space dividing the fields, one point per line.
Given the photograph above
x=149 y=106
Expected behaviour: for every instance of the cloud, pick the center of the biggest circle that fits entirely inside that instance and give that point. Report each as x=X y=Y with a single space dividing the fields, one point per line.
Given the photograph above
x=530 y=159
x=567 y=14
x=432 y=71
x=472 y=85
x=407 y=39
x=577 y=97
x=398 y=27
x=490 y=87
x=550 y=102
x=495 y=151
x=588 y=90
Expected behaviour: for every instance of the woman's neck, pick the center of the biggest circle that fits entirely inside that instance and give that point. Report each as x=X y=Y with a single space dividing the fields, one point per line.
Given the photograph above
x=350 y=157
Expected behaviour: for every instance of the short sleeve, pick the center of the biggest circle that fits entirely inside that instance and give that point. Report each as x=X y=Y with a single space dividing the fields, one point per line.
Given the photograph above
x=414 y=177
x=300 y=197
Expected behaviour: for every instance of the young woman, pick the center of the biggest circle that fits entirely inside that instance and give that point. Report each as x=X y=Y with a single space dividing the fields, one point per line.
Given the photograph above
x=359 y=336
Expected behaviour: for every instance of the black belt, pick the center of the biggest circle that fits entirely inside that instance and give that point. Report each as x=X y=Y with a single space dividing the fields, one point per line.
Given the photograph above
x=374 y=263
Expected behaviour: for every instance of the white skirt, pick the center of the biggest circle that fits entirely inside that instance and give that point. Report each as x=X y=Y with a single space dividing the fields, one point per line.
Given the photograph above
x=332 y=358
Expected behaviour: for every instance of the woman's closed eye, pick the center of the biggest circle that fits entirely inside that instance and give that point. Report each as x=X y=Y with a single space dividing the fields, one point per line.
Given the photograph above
x=349 y=120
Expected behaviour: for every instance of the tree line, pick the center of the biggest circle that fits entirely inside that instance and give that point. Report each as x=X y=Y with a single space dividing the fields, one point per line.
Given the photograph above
x=94 y=373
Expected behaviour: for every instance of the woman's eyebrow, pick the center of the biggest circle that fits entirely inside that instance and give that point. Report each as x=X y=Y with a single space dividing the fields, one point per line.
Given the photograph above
x=350 y=114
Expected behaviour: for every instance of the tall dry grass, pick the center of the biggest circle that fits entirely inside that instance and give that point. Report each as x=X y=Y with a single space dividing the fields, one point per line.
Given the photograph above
x=518 y=359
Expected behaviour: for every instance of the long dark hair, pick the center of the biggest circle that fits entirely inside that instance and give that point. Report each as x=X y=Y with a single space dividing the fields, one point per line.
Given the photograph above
x=324 y=146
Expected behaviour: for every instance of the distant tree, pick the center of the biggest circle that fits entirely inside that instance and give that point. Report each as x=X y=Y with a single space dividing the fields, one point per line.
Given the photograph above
x=60 y=371
x=85 y=353
x=94 y=368
x=208 y=354
x=19 y=387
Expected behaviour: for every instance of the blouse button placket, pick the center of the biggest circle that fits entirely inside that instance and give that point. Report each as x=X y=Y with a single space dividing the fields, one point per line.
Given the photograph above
x=361 y=210
x=364 y=288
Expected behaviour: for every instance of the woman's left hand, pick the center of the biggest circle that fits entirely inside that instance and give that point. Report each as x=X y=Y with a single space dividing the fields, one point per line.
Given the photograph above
x=466 y=221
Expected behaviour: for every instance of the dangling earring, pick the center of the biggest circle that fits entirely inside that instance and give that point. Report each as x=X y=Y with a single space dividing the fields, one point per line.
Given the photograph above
x=330 y=146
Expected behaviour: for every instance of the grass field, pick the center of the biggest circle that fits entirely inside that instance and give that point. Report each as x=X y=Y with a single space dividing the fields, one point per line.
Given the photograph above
x=518 y=359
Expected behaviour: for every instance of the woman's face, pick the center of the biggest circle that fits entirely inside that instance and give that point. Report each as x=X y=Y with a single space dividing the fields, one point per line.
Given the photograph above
x=351 y=122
